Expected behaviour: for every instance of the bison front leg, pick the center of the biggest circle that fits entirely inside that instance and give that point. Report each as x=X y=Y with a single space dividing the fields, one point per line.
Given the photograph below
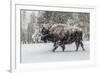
x=77 y=45
x=55 y=47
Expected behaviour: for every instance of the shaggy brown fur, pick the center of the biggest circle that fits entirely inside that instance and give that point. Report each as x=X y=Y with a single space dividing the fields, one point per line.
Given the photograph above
x=58 y=31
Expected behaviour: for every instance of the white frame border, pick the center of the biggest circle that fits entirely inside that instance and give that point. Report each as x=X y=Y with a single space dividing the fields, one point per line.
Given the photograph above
x=16 y=67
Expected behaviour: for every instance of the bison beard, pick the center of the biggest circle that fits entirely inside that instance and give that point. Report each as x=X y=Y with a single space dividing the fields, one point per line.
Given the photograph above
x=62 y=38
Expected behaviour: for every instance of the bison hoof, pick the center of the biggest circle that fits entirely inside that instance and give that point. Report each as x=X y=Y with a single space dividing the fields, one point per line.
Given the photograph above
x=76 y=50
x=63 y=50
x=83 y=49
x=53 y=50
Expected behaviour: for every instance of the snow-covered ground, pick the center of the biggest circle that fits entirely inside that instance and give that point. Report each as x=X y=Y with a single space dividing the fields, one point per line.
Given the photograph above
x=42 y=52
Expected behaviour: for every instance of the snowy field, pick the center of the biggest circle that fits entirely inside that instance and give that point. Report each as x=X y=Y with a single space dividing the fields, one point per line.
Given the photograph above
x=42 y=52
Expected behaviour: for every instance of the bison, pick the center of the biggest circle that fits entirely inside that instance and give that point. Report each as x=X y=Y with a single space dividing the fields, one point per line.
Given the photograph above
x=61 y=37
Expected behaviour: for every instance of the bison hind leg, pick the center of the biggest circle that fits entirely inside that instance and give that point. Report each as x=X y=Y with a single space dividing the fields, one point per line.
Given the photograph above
x=81 y=43
x=63 y=47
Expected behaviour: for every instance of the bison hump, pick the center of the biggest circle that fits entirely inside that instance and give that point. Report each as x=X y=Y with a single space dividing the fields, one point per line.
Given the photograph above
x=57 y=30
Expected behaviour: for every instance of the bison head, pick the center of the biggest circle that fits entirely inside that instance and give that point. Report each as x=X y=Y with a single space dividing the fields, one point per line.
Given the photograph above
x=45 y=33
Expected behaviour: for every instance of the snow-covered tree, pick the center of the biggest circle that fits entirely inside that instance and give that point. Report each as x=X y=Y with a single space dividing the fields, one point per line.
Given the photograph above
x=32 y=22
